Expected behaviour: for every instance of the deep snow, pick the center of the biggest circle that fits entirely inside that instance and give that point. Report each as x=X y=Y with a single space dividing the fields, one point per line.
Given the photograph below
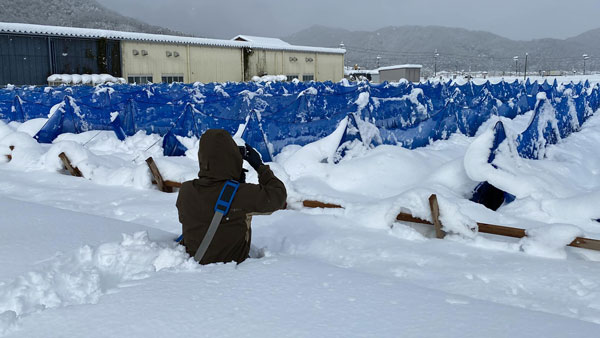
x=67 y=270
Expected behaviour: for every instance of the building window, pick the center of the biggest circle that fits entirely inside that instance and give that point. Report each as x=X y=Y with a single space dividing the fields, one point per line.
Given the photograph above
x=139 y=79
x=308 y=77
x=291 y=77
x=171 y=78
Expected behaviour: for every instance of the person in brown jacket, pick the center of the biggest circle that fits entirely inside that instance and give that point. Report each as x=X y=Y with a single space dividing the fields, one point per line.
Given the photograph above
x=220 y=160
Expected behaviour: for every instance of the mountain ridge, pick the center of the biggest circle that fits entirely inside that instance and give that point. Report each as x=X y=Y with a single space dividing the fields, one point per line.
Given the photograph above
x=74 y=13
x=458 y=49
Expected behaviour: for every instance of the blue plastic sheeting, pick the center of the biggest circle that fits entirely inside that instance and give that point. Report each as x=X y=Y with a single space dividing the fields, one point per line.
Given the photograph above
x=66 y=119
x=172 y=146
x=118 y=128
x=16 y=111
x=282 y=113
x=553 y=120
x=254 y=135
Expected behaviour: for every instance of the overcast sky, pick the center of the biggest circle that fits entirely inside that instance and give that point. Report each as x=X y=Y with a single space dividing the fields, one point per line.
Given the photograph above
x=515 y=19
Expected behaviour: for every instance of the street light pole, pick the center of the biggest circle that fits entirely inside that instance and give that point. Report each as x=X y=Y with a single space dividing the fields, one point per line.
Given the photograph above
x=342 y=46
x=435 y=56
x=585 y=57
x=525 y=76
x=378 y=59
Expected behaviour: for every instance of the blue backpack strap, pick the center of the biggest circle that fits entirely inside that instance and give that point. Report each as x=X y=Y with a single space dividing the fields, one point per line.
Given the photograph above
x=226 y=196
x=221 y=208
x=223 y=203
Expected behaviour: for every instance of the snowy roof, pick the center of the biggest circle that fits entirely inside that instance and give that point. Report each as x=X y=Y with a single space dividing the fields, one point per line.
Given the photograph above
x=400 y=67
x=361 y=71
x=261 y=40
x=19 y=28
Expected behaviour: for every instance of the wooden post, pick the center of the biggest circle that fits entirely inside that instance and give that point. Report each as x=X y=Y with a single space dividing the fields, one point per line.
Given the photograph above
x=435 y=216
x=67 y=163
x=163 y=185
x=9 y=156
x=157 y=176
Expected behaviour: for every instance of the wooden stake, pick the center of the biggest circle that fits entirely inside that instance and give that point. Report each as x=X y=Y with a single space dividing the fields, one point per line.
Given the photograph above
x=157 y=176
x=67 y=163
x=163 y=185
x=435 y=216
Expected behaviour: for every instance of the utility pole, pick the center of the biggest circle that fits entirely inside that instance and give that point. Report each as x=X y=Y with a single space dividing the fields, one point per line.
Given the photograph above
x=585 y=57
x=525 y=76
x=435 y=56
x=516 y=58
x=378 y=59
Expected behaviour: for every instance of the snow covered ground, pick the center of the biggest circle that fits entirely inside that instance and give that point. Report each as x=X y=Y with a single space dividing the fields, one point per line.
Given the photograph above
x=94 y=257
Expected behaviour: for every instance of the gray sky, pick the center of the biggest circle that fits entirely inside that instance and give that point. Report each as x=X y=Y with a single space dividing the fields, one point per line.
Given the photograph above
x=515 y=19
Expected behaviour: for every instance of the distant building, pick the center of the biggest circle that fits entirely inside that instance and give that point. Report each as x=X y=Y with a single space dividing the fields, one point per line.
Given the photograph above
x=31 y=53
x=396 y=73
x=270 y=56
x=390 y=74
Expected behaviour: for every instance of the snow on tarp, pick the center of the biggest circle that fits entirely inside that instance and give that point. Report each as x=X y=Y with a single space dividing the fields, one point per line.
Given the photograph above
x=486 y=193
x=407 y=114
x=16 y=110
x=64 y=118
x=350 y=139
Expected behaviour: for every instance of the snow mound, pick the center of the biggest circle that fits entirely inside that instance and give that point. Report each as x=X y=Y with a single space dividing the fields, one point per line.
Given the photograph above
x=549 y=241
x=84 y=276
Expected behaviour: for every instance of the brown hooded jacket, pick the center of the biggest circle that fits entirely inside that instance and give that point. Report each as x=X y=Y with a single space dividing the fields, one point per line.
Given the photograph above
x=220 y=160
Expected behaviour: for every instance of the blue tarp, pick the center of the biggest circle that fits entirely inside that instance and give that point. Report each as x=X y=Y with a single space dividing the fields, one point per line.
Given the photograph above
x=283 y=113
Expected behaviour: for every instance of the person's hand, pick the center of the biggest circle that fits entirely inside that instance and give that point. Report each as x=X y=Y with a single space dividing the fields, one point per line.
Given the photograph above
x=253 y=157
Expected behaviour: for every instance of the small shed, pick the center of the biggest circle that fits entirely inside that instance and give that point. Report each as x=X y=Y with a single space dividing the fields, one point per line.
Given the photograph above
x=396 y=73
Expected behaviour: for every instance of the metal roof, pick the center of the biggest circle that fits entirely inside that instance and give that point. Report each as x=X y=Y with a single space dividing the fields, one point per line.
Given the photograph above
x=261 y=40
x=30 y=29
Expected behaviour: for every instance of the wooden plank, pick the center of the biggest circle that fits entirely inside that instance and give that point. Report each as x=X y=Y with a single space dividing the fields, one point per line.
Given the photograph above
x=435 y=216
x=500 y=230
x=410 y=218
x=67 y=164
x=173 y=184
x=317 y=204
x=586 y=243
x=169 y=183
x=157 y=176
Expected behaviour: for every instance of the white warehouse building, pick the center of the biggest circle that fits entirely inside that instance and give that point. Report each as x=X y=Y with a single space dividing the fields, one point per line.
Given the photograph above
x=141 y=58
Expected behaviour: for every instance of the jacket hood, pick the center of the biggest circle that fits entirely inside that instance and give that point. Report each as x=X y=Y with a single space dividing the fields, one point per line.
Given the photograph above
x=218 y=156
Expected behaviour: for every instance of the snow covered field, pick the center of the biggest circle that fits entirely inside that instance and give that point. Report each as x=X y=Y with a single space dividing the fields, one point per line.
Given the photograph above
x=94 y=257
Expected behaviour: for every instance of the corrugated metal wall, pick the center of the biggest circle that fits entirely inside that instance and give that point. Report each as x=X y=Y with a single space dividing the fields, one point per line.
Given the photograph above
x=24 y=60
x=29 y=60
x=85 y=56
